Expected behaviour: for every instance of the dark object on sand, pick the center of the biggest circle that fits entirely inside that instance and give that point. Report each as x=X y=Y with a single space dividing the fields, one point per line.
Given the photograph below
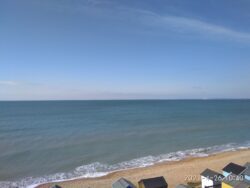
x=56 y=186
x=157 y=182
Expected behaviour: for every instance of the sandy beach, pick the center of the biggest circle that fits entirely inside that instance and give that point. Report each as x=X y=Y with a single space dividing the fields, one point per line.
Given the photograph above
x=174 y=172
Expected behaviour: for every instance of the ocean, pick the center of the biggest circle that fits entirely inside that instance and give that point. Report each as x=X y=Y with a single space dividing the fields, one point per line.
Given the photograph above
x=43 y=141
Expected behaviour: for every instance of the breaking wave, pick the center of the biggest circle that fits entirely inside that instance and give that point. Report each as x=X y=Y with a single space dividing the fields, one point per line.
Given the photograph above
x=98 y=169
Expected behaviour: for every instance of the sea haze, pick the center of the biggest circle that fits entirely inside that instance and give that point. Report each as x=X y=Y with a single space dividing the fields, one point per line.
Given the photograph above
x=56 y=140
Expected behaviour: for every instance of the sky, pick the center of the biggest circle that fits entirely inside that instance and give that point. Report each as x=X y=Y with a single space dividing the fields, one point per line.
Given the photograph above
x=124 y=49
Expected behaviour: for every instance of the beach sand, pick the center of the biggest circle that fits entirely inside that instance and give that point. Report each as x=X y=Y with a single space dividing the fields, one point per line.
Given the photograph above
x=174 y=172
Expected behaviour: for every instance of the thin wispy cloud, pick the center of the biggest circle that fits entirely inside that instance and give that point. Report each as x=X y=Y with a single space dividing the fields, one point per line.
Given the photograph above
x=205 y=27
x=187 y=25
x=107 y=9
x=184 y=24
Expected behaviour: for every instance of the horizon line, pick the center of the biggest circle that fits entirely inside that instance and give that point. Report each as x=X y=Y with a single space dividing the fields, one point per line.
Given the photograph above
x=139 y=99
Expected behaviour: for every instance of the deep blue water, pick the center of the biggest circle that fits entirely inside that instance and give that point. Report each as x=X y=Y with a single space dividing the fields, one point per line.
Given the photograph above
x=54 y=140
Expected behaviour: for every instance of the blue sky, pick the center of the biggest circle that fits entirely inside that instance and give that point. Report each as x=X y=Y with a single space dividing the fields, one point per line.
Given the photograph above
x=124 y=49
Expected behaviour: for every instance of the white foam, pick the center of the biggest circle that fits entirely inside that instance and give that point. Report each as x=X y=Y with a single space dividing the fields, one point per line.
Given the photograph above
x=98 y=169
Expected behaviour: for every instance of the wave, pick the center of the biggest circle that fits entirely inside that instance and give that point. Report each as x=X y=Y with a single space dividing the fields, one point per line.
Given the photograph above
x=98 y=169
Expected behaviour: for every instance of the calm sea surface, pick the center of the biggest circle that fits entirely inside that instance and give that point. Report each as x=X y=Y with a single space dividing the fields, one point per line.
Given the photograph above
x=56 y=140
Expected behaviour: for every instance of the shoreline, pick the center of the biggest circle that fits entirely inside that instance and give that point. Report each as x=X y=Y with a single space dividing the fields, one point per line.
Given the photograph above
x=187 y=168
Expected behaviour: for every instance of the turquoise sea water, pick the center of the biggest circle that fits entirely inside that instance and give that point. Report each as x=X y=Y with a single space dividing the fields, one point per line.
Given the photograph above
x=55 y=140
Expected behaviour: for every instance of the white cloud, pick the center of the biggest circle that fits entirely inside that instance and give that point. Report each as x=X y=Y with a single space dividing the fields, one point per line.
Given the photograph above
x=8 y=83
